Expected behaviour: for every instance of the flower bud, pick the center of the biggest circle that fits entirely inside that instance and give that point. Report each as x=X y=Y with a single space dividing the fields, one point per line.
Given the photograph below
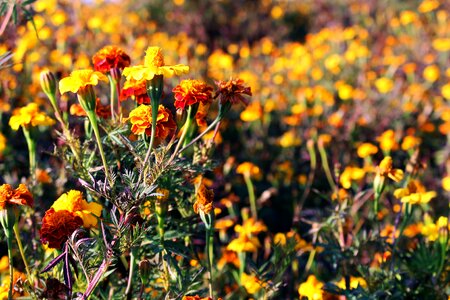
x=144 y=271
x=442 y=225
x=48 y=83
x=87 y=99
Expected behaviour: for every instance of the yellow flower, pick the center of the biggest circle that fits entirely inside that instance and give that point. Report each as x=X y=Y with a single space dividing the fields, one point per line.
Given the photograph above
x=2 y=143
x=154 y=65
x=414 y=193
x=384 y=85
x=431 y=230
x=428 y=5
x=446 y=183
x=73 y=201
x=252 y=112
x=29 y=115
x=385 y=169
x=244 y=244
x=445 y=90
x=366 y=149
x=351 y=174
x=441 y=44
x=431 y=73
x=354 y=283
x=387 y=141
x=251 y=283
x=290 y=139
x=250 y=226
x=248 y=169
x=311 y=288
x=79 y=79
x=410 y=142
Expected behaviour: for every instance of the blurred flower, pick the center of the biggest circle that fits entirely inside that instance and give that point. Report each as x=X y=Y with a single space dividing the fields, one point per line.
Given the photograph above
x=290 y=139
x=2 y=143
x=79 y=80
x=311 y=288
x=354 y=283
x=29 y=115
x=18 y=281
x=428 y=5
x=248 y=169
x=141 y=121
x=414 y=193
x=228 y=257
x=103 y=111
x=410 y=142
x=252 y=112
x=441 y=44
x=385 y=169
x=244 y=244
x=384 y=85
x=431 y=229
x=387 y=141
x=445 y=90
x=366 y=149
x=57 y=226
x=42 y=176
x=431 y=73
x=190 y=92
x=251 y=283
x=446 y=183
x=136 y=89
x=73 y=202
x=351 y=174
x=154 y=65
x=19 y=196
x=204 y=200
x=232 y=91
x=110 y=57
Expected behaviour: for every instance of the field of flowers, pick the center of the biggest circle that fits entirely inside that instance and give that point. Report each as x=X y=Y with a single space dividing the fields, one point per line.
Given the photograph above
x=195 y=149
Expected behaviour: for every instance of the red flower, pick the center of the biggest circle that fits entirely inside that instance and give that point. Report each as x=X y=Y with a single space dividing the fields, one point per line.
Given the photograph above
x=232 y=91
x=136 y=88
x=57 y=226
x=189 y=92
x=110 y=57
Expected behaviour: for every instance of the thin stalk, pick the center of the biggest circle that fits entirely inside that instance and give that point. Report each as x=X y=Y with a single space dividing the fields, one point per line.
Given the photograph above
x=326 y=166
x=31 y=153
x=93 y=119
x=210 y=127
x=22 y=253
x=113 y=95
x=11 y=269
x=154 y=105
x=210 y=250
x=186 y=127
x=130 y=273
x=251 y=195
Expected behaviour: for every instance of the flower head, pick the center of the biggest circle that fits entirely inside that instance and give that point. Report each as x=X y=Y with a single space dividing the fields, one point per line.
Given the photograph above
x=57 y=226
x=311 y=288
x=19 y=196
x=414 y=193
x=232 y=91
x=136 y=89
x=385 y=169
x=190 y=92
x=154 y=65
x=29 y=115
x=366 y=150
x=141 y=121
x=244 y=243
x=80 y=79
x=248 y=169
x=74 y=202
x=110 y=57
x=204 y=201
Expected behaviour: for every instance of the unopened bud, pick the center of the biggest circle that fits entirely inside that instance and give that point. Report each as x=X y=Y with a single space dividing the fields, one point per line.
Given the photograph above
x=442 y=225
x=48 y=85
x=144 y=271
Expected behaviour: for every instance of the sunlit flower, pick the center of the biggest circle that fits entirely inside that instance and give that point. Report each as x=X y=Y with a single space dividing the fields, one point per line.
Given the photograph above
x=290 y=139
x=414 y=193
x=366 y=149
x=74 y=202
x=441 y=44
x=141 y=121
x=248 y=169
x=19 y=196
x=2 y=143
x=154 y=65
x=190 y=92
x=431 y=230
x=311 y=288
x=57 y=226
x=79 y=80
x=251 y=283
x=110 y=57
x=387 y=140
x=385 y=169
x=204 y=200
x=384 y=85
x=29 y=116
x=250 y=227
x=252 y=112
x=410 y=142
x=445 y=90
x=232 y=91
x=431 y=73
x=428 y=5
x=244 y=244
x=354 y=283
x=228 y=257
x=136 y=89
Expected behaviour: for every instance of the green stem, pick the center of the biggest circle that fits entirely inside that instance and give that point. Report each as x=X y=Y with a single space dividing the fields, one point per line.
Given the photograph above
x=186 y=127
x=154 y=104
x=251 y=195
x=31 y=153
x=113 y=95
x=93 y=119
x=22 y=253
x=326 y=166
x=210 y=250
x=11 y=269
x=130 y=273
x=210 y=127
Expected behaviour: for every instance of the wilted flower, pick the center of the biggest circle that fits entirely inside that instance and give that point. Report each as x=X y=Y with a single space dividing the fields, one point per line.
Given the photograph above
x=57 y=226
x=19 y=196
x=154 y=65
x=141 y=121
x=232 y=91
x=73 y=202
x=190 y=92
x=110 y=57
x=29 y=116
x=204 y=199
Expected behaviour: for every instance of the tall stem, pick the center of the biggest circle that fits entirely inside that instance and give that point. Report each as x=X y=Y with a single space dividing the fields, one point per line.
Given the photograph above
x=251 y=195
x=130 y=273
x=186 y=127
x=210 y=127
x=113 y=95
x=210 y=250
x=11 y=269
x=154 y=104
x=22 y=253
x=31 y=153
x=93 y=119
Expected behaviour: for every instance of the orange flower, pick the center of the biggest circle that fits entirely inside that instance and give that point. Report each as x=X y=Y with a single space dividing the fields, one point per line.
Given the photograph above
x=19 y=196
x=189 y=92
x=248 y=169
x=232 y=91
x=244 y=244
x=57 y=226
x=136 y=89
x=204 y=200
x=141 y=121
x=103 y=111
x=110 y=57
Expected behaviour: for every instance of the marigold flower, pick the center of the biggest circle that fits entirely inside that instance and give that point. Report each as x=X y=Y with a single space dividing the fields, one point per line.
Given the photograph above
x=251 y=283
x=311 y=288
x=252 y=112
x=73 y=202
x=232 y=91
x=136 y=89
x=154 y=65
x=366 y=149
x=250 y=226
x=228 y=257
x=351 y=174
x=414 y=193
x=57 y=226
x=410 y=142
x=19 y=196
x=387 y=140
x=18 y=291
x=2 y=143
x=244 y=244
x=446 y=183
x=79 y=79
x=385 y=169
x=354 y=283
x=384 y=85
x=190 y=92
x=248 y=169
x=141 y=121
x=204 y=200
x=29 y=116
x=110 y=57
